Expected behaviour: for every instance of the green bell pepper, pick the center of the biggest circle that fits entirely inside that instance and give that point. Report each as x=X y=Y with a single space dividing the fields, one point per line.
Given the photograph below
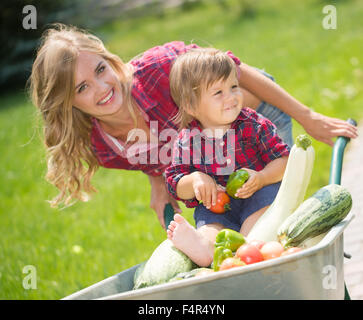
x=236 y=181
x=229 y=239
x=220 y=253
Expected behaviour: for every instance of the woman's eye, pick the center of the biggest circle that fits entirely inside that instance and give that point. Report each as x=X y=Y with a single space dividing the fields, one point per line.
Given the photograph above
x=218 y=92
x=101 y=69
x=234 y=87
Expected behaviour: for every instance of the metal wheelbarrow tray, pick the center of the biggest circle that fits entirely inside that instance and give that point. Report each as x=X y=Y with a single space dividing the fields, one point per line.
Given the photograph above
x=313 y=273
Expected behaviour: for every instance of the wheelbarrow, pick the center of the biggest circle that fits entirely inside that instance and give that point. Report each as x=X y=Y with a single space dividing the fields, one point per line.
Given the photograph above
x=313 y=273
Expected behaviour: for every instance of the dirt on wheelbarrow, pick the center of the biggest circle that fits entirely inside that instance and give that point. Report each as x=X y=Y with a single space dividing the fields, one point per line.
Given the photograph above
x=352 y=177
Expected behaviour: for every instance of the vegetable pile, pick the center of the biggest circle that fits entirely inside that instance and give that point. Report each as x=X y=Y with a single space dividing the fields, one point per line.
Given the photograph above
x=236 y=252
x=284 y=229
x=290 y=222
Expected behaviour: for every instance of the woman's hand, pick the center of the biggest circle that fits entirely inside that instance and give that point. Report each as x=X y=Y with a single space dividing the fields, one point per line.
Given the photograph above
x=160 y=198
x=254 y=183
x=325 y=128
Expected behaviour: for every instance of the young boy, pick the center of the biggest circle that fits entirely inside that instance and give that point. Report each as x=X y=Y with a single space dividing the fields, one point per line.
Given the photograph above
x=219 y=137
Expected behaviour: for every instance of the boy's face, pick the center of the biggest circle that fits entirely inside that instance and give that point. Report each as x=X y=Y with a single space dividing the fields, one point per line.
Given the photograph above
x=220 y=104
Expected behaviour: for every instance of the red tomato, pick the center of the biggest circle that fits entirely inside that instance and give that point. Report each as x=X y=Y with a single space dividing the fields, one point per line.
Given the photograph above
x=229 y=263
x=272 y=249
x=249 y=254
x=222 y=203
x=290 y=251
x=257 y=243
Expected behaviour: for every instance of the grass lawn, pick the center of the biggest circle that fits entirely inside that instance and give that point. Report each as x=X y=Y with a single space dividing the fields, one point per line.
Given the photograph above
x=83 y=244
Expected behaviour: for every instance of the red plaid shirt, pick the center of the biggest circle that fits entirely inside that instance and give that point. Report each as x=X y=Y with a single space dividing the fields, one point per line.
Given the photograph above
x=251 y=142
x=150 y=89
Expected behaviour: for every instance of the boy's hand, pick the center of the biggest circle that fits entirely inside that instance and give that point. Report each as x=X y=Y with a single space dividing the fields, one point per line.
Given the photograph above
x=254 y=183
x=205 y=188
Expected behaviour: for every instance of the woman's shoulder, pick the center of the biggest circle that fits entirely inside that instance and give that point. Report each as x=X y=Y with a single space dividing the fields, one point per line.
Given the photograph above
x=161 y=55
x=151 y=76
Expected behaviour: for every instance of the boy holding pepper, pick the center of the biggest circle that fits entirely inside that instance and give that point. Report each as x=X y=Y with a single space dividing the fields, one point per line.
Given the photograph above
x=219 y=137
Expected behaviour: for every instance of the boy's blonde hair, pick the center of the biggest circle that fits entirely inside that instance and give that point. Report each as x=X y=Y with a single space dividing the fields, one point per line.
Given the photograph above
x=67 y=130
x=193 y=72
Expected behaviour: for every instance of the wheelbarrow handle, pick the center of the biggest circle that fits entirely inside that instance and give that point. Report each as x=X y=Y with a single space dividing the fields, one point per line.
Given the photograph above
x=336 y=174
x=168 y=214
x=337 y=157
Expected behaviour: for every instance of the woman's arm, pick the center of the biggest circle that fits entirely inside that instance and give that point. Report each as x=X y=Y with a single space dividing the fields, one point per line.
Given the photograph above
x=320 y=127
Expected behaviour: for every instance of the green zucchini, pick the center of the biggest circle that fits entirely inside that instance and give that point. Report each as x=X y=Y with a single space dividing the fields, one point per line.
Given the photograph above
x=316 y=215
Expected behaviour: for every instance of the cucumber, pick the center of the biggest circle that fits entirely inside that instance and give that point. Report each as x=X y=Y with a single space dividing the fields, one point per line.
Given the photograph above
x=316 y=215
x=165 y=263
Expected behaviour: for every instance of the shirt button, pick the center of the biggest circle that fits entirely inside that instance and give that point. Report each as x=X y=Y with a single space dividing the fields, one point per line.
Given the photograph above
x=229 y=161
x=222 y=144
x=157 y=171
x=153 y=130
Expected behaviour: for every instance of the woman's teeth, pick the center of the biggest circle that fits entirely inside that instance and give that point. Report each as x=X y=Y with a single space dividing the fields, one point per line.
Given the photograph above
x=106 y=99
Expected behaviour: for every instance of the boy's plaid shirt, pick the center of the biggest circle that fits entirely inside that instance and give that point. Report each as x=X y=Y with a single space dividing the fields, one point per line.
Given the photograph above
x=251 y=142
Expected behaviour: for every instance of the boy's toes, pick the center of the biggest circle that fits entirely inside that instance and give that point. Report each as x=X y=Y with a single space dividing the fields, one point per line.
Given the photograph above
x=172 y=226
x=169 y=234
x=179 y=218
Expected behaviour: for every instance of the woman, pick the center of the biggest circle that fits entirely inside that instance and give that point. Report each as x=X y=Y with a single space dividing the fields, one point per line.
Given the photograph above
x=98 y=110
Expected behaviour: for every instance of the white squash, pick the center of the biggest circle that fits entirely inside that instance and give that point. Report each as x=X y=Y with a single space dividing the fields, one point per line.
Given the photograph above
x=291 y=193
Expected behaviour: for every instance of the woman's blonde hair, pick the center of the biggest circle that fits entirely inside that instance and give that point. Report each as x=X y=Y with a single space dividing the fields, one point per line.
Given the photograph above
x=67 y=130
x=193 y=72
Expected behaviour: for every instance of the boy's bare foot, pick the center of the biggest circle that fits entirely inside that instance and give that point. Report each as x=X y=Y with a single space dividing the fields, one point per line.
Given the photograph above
x=188 y=240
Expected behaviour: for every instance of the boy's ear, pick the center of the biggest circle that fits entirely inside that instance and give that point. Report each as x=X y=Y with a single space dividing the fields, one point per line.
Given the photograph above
x=190 y=111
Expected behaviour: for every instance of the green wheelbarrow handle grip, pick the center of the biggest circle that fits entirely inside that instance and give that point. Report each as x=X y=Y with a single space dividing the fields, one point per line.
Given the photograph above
x=336 y=174
x=168 y=214
x=337 y=157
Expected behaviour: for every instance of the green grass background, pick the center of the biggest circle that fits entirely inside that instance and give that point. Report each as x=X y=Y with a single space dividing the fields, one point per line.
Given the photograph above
x=88 y=242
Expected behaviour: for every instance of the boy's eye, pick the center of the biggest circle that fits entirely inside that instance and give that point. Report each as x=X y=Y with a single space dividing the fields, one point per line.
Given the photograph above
x=218 y=92
x=234 y=86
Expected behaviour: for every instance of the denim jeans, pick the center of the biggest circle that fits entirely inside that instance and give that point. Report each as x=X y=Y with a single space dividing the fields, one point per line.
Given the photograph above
x=281 y=120
x=240 y=209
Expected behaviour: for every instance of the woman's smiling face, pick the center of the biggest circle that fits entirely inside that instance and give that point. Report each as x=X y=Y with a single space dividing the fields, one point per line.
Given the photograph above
x=97 y=86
